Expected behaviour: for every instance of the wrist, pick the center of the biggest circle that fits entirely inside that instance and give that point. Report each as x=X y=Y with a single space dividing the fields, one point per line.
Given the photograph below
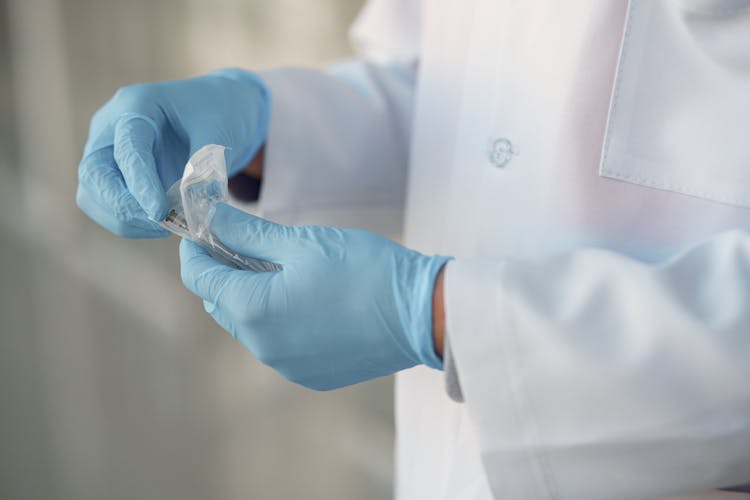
x=245 y=186
x=438 y=314
x=255 y=167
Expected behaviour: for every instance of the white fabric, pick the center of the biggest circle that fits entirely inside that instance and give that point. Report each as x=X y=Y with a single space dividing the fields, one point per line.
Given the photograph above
x=599 y=304
x=337 y=145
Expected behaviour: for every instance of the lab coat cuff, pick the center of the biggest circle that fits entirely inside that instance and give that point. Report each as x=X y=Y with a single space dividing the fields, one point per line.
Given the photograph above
x=482 y=339
x=452 y=383
x=475 y=329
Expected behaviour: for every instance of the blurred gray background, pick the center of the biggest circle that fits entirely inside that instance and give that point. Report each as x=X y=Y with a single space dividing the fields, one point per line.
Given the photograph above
x=114 y=384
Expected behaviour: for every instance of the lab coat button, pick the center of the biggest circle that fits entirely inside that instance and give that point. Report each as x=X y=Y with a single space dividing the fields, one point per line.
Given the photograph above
x=501 y=152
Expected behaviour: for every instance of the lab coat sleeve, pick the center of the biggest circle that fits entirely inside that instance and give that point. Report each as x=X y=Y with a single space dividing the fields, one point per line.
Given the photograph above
x=594 y=376
x=337 y=148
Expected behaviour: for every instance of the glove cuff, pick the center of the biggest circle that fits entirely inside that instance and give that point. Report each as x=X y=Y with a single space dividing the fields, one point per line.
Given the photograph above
x=419 y=330
x=264 y=114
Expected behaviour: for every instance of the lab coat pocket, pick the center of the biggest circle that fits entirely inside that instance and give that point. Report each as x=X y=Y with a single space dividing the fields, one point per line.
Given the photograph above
x=679 y=118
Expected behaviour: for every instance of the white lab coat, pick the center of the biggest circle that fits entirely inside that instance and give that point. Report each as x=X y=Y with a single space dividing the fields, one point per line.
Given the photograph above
x=588 y=165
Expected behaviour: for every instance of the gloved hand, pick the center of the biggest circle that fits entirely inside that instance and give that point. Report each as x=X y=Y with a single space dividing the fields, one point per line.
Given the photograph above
x=141 y=139
x=348 y=306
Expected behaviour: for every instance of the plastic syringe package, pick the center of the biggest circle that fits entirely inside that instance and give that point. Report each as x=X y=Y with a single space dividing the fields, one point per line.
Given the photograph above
x=192 y=200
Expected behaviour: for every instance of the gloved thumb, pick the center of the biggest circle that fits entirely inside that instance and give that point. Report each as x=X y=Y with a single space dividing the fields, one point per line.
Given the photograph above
x=250 y=235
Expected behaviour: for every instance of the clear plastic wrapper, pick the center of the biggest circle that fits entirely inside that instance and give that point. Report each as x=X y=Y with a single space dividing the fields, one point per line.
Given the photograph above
x=192 y=200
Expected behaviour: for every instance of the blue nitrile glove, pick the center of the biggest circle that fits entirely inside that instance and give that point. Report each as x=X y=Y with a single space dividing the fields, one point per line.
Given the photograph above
x=349 y=305
x=140 y=141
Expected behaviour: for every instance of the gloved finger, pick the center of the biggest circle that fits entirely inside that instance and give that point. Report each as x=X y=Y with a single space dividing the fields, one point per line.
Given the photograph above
x=103 y=196
x=134 y=154
x=203 y=275
x=220 y=318
x=250 y=235
x=135 y=228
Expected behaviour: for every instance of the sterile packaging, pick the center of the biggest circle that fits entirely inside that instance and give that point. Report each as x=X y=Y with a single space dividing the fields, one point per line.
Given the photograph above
x=192 y=200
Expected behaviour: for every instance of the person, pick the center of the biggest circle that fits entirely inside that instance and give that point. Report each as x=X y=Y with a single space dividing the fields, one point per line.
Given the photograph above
x=569 y=315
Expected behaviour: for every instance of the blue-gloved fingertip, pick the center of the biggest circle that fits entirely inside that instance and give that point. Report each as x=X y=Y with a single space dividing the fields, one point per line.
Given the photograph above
x=230 y=224
x=209 y=306
x=250 y=235
x=157 y=212
x=201 y=273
